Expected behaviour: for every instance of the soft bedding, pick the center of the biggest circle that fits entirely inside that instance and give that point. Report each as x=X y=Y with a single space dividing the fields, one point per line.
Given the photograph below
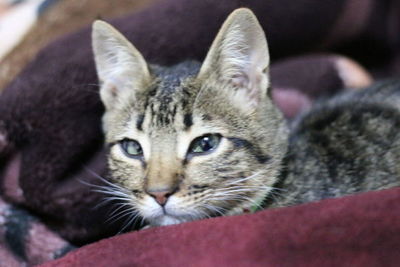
x=51 y=144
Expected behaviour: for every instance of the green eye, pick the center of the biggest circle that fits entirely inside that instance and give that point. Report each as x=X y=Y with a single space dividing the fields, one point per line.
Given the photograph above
x=204 y=144
x=131 y=148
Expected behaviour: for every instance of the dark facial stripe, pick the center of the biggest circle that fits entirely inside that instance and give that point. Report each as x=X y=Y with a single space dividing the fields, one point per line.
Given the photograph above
x=188 y=121
x=206 y=117
x=253 y=149
x=139 y=122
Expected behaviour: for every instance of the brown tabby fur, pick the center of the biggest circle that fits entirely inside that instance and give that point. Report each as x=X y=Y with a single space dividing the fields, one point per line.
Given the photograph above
x=348 y=145
x=344 y=146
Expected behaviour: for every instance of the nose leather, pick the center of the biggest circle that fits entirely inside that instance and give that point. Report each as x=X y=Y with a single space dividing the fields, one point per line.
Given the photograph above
x=161 y=197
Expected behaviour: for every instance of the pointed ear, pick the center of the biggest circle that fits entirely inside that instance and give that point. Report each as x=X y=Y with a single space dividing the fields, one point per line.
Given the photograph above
x=120 y=66
x=239 y=55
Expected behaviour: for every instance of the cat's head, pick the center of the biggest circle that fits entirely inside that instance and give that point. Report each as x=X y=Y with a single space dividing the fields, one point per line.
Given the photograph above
x=193 y=140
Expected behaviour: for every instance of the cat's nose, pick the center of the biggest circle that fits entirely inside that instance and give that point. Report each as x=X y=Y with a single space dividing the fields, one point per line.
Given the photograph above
x=161 y=196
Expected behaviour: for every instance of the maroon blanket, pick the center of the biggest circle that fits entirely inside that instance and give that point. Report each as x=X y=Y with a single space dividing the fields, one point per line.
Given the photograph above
x=50 y=130
x=361 y=230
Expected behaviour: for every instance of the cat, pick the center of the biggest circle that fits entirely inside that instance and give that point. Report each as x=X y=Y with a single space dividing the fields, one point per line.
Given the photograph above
x=199 y=140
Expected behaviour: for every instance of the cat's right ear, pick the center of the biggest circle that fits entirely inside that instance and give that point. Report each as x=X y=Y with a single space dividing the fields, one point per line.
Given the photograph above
x=239 y=57
x=120 y=66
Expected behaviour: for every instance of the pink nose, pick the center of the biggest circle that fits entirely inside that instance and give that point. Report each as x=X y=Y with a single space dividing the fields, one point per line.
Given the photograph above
x=161 y=197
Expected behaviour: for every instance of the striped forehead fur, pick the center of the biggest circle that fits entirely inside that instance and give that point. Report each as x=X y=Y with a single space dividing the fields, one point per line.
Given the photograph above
x=172 y=92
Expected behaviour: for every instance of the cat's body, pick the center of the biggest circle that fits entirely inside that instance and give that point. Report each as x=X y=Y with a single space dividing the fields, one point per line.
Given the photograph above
x=199 y=140
x=343 y=146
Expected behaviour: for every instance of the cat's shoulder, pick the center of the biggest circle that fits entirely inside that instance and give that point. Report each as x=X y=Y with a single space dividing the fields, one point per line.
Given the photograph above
x=381 y=100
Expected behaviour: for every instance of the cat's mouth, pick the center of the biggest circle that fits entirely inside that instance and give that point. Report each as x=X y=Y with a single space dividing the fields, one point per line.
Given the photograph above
x=170 y=213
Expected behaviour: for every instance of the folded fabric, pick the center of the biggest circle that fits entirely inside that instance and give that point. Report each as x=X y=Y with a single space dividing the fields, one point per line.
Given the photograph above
x=24 y=239
x=359 y=230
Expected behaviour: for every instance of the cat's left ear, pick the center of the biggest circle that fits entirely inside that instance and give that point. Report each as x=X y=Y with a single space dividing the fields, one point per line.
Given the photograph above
x=239 y=56
x=120 y=66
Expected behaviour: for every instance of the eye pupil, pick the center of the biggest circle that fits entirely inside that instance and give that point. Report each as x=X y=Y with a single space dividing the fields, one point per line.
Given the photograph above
x=205 y=143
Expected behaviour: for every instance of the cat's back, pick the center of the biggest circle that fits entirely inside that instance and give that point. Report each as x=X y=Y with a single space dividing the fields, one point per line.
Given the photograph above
x=346 y=145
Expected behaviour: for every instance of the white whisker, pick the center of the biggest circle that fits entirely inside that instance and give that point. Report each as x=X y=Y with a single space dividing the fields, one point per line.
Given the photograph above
x=122 y=213
x=218 y=210
x=129 y=221
x=240 y=180
x=117 y=193
x=200 y=214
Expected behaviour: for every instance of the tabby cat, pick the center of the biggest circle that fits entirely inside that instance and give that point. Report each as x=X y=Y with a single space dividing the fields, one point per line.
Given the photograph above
x=195 y=140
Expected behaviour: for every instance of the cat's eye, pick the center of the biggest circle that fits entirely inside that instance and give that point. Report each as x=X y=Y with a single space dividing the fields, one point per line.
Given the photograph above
x=204 y=144
x=131 y=148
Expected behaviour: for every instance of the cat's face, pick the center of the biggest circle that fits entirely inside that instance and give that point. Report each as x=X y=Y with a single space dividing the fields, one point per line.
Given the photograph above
x=189 y=141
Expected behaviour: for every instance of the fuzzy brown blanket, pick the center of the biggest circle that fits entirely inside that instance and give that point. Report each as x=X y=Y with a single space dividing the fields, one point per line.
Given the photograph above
x=50 y=131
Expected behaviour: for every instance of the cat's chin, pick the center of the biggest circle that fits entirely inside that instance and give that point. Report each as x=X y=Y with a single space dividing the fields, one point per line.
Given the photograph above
x=167 y=220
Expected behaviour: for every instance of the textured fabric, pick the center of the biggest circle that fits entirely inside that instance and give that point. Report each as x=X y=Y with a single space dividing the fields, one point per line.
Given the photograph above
x=360 y=230
x=63 y=17
x=24 y=238
x=16 y=18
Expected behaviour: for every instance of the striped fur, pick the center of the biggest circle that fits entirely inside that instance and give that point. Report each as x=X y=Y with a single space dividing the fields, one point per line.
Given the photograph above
x=348 y=145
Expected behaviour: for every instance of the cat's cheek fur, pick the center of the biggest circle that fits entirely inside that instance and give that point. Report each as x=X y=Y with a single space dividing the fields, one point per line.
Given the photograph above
x=125 y=171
